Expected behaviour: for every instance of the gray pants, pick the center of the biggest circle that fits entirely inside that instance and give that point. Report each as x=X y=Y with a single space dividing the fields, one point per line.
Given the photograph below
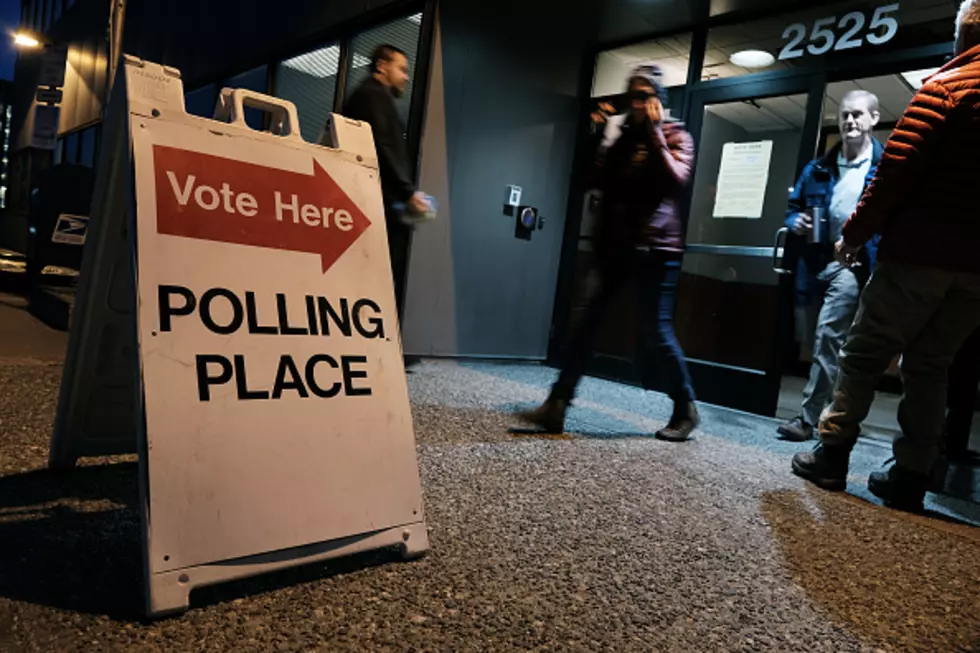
x=840 y=304
x=925 y=314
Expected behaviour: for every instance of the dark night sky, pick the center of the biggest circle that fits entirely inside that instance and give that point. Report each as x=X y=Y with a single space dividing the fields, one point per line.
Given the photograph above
x=9 y=19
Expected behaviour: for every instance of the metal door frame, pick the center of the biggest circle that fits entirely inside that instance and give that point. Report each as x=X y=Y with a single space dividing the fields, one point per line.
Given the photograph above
x=754 y=391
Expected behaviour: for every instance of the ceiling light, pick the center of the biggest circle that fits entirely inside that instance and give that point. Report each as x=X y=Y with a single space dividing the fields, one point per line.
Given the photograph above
x=752 y=59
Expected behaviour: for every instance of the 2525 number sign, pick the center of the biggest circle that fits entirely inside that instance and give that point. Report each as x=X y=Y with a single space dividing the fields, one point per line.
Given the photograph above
x=851 y=31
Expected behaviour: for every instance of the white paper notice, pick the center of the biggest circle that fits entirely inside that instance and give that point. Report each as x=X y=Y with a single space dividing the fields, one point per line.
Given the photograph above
x=742 y=180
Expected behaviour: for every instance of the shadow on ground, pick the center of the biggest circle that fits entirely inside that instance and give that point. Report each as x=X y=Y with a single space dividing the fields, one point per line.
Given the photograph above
x=857 y=570
x=72 y=540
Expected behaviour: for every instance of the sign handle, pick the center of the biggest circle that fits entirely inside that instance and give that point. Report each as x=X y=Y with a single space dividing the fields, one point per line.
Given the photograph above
x=231 y=108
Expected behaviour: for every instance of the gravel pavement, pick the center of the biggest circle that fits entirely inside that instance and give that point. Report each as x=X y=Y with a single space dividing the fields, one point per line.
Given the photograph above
x=604 y=539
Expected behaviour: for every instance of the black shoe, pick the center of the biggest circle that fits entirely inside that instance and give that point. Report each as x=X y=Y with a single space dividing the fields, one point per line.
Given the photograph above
x=899 y=488
x=682 y=423
x=825 y=466
x=549 y=416
x=796 y=430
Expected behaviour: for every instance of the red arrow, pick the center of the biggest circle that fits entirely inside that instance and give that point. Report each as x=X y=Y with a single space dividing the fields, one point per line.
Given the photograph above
x=225 y=200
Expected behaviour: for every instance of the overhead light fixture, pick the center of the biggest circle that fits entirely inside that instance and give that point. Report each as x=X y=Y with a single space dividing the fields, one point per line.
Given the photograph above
x=752 y=59
x=25 y=40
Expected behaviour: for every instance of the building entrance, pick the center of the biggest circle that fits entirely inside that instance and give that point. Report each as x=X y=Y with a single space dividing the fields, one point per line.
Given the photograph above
x=747 y=336
x=893 y=92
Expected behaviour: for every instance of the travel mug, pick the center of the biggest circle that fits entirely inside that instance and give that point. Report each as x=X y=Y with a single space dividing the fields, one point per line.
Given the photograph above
x=818 y=230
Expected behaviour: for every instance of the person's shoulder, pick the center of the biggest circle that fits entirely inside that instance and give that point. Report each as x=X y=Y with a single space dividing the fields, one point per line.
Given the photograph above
x=810 y=169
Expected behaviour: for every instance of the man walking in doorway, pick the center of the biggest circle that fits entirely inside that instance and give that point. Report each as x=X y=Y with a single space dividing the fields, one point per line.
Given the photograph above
x=832 y=184
x=642 y=174
x=923 y=299
x=374 y=103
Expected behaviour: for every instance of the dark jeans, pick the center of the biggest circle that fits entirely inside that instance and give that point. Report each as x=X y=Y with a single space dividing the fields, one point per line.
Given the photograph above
x=656 y=274
x=961 y=395
x=399 y=242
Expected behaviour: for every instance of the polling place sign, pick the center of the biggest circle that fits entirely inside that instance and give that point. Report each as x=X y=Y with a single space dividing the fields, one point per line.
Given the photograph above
x=277 y=423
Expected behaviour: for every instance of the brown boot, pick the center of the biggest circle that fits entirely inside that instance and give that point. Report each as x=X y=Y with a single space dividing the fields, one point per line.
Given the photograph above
x=682 y=423
x=549 y=416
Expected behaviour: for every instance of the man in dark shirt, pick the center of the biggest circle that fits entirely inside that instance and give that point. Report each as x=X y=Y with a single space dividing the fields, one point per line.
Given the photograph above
x=374 y=103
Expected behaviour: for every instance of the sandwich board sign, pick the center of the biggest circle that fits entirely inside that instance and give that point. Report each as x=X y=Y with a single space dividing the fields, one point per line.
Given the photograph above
x=236 y=326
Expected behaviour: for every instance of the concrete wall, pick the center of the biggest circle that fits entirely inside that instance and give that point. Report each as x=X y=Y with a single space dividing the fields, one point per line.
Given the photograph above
x=502 y=110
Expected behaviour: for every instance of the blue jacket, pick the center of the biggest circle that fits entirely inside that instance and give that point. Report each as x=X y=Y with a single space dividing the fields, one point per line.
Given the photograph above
x=815 y=187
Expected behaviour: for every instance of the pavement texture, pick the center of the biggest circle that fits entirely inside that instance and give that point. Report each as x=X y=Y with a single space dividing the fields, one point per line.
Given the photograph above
x=602 y=539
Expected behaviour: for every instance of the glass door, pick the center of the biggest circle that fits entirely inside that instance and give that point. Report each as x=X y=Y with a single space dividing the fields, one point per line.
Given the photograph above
x=732 y=306
x=614 y=352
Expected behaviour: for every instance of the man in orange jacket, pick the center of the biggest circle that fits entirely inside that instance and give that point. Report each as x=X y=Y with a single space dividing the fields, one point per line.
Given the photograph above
x=923 y=299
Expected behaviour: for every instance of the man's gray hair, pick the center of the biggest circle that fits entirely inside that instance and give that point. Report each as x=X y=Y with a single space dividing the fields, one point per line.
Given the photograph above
x=968 y=24
x=871 y=98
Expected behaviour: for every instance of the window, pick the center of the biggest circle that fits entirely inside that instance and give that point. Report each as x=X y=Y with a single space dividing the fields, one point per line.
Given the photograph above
x=57 y=11
x=310 y=82
x=613 y=67
x=403 y=34
x=200 y=102
x=254 y=80
x=71 y=148
x=87 y=146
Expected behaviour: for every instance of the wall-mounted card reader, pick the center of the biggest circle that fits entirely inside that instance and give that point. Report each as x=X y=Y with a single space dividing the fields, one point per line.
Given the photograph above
x=512 y=199
x=527 y=222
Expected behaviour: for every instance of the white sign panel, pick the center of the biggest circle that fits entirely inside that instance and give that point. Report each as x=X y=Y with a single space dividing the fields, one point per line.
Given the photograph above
x=742 y=180
x=49 y=95
x=45 y=134
x=276 y=403
x=53 y=63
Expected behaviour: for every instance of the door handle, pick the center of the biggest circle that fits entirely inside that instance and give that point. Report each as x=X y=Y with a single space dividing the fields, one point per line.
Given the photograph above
x=779 y=251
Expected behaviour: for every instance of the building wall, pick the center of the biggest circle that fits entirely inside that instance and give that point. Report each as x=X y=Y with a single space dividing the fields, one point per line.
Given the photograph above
x=213 y=43
x=503 y=107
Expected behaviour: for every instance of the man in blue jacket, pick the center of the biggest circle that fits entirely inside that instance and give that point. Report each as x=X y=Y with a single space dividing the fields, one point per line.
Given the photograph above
x=834 y=183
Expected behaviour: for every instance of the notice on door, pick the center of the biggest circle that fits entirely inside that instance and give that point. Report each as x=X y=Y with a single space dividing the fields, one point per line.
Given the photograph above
x=742 y=180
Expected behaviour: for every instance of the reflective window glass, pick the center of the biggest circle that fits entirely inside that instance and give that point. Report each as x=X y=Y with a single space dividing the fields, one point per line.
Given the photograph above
x=200 y=102
x=404 y=35
x=71 y=148
x=310 y=82
x=86 y=147
x=612 y=67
